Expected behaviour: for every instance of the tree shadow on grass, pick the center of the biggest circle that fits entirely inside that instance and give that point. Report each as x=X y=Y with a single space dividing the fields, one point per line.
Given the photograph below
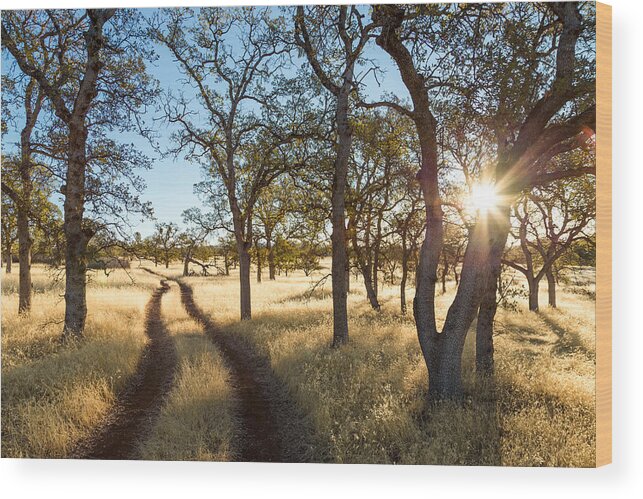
x=568 y=342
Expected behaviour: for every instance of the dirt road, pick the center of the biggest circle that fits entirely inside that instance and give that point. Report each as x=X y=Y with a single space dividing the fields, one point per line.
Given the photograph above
x=138 y=406
x=272 y=428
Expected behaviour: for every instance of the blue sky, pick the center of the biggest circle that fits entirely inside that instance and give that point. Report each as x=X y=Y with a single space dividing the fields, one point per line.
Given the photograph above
x=170 y=181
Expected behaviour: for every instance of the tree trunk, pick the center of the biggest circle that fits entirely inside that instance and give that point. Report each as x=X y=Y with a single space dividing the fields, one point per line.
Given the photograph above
x=533 y=293
x=365 y=267
x=7 y=257
x=24 y=255
x=376 y=266
x=338 y=204
x=76 y=238
x=426 y=277
x=484 y=329
x=370 y=288
x=244 y=281
x=186 y=265
x=551 y=288
x=25 y=242
x=374 y=275
x=258 y=263
x=445 y=269
x=271 y=259
x=405 y=274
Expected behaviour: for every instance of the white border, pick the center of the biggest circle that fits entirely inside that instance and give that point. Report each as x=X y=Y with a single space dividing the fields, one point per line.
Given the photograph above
x=68 y=479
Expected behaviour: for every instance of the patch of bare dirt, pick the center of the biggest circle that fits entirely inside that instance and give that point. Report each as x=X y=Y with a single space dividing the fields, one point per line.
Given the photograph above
x=138 y=406
x=273 y=429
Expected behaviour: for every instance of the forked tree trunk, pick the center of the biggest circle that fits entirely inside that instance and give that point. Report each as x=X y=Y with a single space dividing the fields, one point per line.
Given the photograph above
x=340 y=263
x=551 y=288
x=244 y=281
x=444 y=353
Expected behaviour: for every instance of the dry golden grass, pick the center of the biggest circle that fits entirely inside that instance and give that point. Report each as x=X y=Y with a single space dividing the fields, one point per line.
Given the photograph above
x=53 y=395
x=197 y=421
x=366 y=399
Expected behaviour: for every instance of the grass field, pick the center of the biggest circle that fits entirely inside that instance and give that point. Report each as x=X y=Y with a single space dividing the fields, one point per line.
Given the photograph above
x=198 y=419
x=54 y=394
x=364 y=401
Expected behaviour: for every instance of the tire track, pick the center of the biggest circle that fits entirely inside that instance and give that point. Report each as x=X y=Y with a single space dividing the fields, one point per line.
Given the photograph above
x=138 y=406
x=274 y=430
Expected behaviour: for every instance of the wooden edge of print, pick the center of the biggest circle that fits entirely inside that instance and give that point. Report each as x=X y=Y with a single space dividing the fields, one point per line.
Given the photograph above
x=603 y=234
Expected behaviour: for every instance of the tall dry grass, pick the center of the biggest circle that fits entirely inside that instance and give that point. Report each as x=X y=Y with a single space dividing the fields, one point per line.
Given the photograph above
x=366 y=399
x=197 y=421
x=54 y=394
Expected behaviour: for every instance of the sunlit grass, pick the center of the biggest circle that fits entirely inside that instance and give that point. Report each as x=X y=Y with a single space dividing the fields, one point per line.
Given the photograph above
x=197 y=421
x=366 y=399
x=53 y=395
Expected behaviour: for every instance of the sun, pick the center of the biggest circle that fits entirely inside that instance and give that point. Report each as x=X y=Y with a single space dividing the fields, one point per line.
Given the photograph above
x=483 y=198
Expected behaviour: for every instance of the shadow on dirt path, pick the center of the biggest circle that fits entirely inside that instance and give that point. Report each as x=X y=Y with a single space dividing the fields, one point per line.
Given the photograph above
x=138 y=406
x=273 y=428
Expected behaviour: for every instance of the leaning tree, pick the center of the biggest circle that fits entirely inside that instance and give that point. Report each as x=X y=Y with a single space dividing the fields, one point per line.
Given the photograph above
x=546 y=124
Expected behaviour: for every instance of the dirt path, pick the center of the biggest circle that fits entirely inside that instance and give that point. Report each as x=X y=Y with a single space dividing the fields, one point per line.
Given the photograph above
x=139 y=404
x=273 y=430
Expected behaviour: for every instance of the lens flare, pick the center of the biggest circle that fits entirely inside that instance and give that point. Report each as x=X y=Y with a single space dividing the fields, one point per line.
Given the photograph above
x=483 y=198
